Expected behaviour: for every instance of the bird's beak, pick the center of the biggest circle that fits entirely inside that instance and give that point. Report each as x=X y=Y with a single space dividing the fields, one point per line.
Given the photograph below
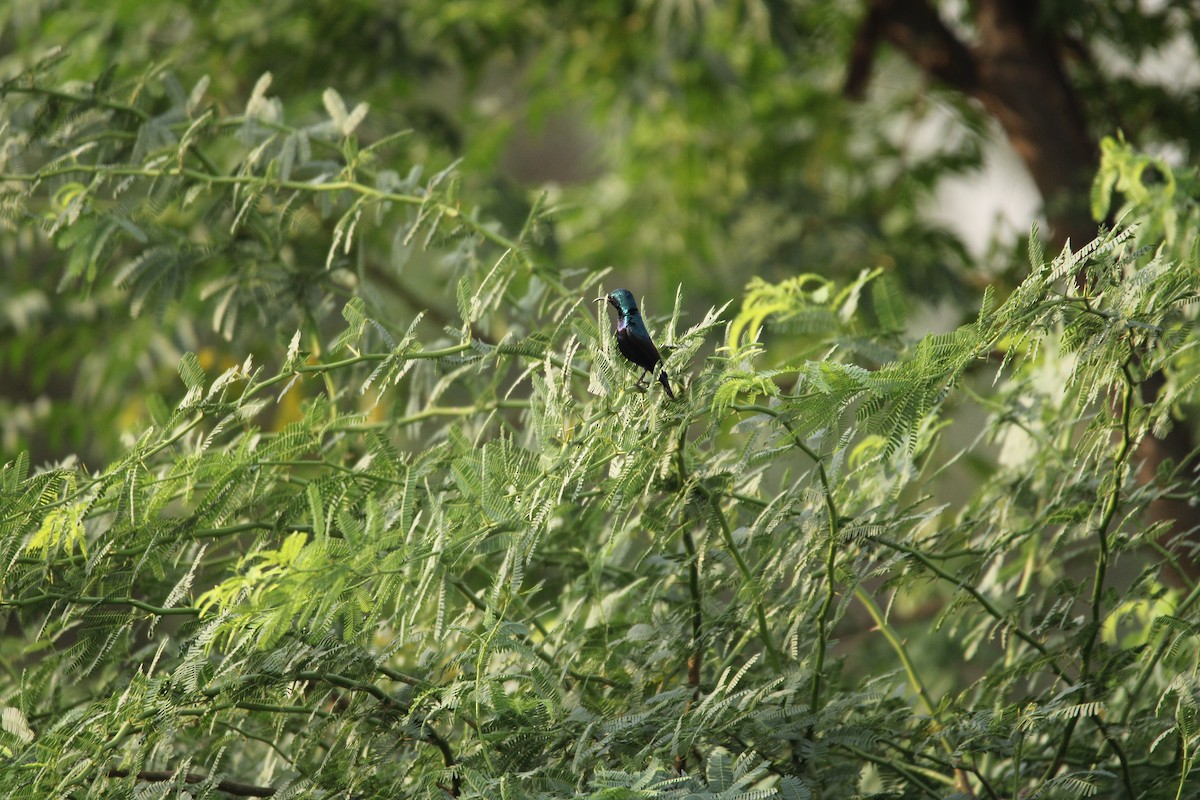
x=600 y=299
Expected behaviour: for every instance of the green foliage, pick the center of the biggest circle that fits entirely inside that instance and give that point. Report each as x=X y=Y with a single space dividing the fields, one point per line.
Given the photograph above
x=393 y=559
x=1148 y=187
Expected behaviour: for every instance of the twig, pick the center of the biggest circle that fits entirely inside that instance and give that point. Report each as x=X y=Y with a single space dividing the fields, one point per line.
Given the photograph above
x=696 y=654
x=229 y=787
x=830 y=553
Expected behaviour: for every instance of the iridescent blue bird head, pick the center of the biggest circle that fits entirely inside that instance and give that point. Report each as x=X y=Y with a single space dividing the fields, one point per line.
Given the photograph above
x=622 y=300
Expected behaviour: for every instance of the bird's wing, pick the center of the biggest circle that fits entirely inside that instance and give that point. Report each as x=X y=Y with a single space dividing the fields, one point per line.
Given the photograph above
x=638 y=349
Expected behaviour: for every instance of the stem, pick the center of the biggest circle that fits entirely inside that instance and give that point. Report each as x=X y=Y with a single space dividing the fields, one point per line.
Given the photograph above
x=1018 y=750
x=910 y=670
x=908 y=772
x=350 y=684
x=228 y=787
x=764 y=631
x=830 y=554
x=178 y=611
x=537 y=649
x=1110 y=509
x=893 y=639
x=1185 y=767
x=434 y=412
x=696 y=656
x=986 y=604
x=83 y=99
x=823 y=619
x=431 y=736
x=354 y=187
x=1111 y=504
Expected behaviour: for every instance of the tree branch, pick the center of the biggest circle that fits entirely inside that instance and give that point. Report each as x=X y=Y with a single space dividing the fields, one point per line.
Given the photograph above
x=916 y=30
x=229 y=787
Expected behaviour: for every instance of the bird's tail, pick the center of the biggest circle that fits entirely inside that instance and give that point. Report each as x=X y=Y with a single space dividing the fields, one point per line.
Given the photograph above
x=662 y=378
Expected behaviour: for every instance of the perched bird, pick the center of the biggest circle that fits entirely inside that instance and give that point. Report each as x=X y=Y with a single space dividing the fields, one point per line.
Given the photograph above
x=633 y=340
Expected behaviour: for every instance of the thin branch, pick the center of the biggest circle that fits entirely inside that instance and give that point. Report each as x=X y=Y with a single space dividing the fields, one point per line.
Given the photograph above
x=1111 y=504
x=834 y=534
x=229 y=787
x=914 y=678
x=537 y=649
x=918 y=31
x=978 y=596
x=83 y=99
x=696 y=657
x=696 y=652
x=481 y=230
x=431 y=736
x=907 y=771
x=83 y=599
x=764 y=630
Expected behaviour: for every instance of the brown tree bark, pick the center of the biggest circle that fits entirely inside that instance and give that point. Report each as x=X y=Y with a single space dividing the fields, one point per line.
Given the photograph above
x=1013 y=68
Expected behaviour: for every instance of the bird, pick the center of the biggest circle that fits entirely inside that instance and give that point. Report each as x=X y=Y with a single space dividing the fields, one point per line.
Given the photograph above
x=633 y=339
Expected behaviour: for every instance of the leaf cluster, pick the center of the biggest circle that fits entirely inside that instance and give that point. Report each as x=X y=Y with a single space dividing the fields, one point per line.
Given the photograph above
x=479 y=560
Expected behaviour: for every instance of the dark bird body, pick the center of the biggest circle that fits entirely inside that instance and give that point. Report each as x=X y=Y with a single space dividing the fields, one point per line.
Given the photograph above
x=633 y=339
